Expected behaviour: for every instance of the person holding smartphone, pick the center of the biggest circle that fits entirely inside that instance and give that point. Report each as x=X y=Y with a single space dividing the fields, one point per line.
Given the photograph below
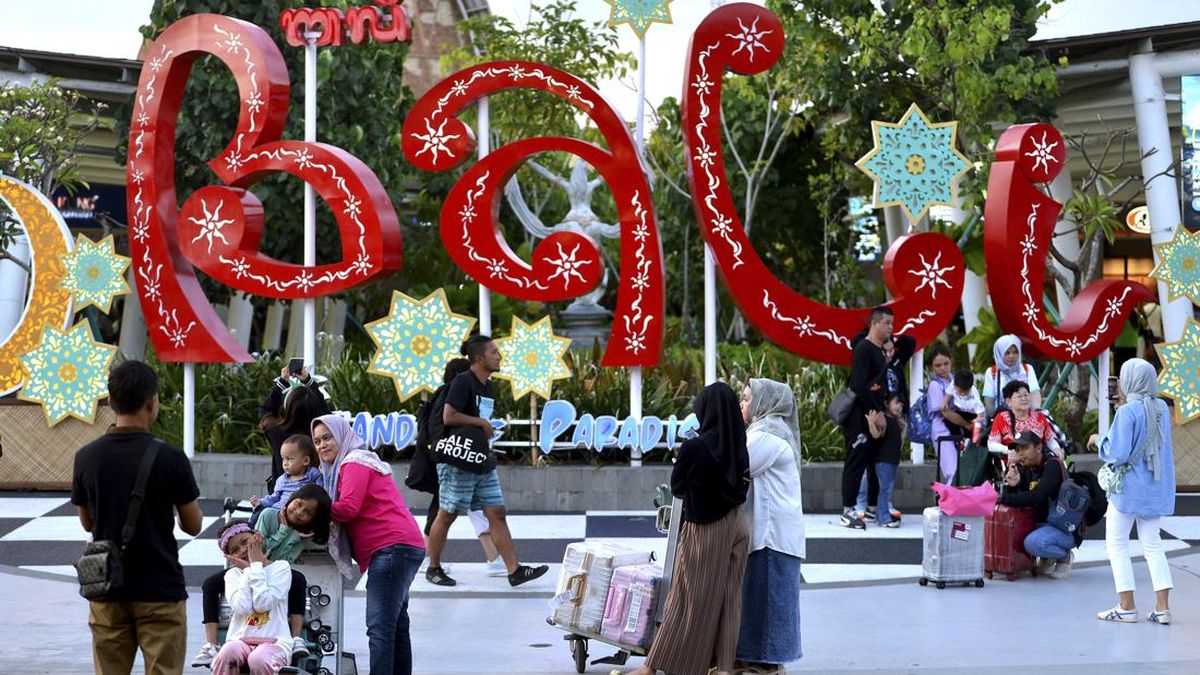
x=293 y=402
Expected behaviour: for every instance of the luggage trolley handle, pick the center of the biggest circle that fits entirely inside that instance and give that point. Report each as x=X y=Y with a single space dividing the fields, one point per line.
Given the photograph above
x=669 y=559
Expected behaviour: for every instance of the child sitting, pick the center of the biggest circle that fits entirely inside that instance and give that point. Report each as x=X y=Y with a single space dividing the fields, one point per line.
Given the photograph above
x=963 y=399
x=257 y=590
x=301 y=466
x=887 y=428
x=282 y=533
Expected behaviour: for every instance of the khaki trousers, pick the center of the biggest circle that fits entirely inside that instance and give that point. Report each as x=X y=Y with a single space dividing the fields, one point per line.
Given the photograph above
x=120 y=628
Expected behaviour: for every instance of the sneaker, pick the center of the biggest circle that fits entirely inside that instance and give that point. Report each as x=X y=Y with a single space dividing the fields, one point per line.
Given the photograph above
x=869 y=516
x=437 y=576
x=1044 y=566
x=1118 y=615
x=205 y=656
x=1062 y=569
x=896 y=515
x=496 y=568
x=853 y=521
x=525 y=574
x=892 y=524
x=299 y=647
x=1163 y=617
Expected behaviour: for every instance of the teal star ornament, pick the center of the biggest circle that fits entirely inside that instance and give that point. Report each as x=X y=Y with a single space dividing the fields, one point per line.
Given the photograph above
x=1179 y=265
x=416 y=340
x=915 y=164
x=1180 y=376
x=95 y=273
x=533 y=357
x=67 y=373
x=639 y=14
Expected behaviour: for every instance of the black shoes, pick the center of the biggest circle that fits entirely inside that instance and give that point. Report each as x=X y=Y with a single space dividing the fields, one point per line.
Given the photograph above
x=437 y=576
x=525 y=573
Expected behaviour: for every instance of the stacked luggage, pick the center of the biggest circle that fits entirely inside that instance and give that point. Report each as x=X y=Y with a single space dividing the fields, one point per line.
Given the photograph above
x=582 y=594
x=629 y=611
x=953 y=549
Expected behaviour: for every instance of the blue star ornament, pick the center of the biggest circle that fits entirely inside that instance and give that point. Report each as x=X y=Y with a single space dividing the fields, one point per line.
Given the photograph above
x=416 y=340
x=639 y=14
x=533 y=357
x=1179 y=265
x=67 y=374
x=1180 y=376
x=915 y=164
x=95 y=273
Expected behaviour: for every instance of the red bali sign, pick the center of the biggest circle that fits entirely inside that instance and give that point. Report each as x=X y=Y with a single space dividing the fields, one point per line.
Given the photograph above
x=219 y=227
x=389 y=22
x=1019 y=226
x=924 y=272
x=565 y=264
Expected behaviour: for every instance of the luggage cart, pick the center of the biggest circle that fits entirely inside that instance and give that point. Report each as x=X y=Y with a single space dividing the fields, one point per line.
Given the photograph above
x=667 y=522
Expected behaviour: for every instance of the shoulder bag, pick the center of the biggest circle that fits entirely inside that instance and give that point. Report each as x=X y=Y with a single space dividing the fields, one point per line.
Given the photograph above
x=100 y=568
x=1112 y=476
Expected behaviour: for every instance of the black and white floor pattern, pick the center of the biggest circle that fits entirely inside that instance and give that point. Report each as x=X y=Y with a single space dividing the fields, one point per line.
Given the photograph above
x=40 y=532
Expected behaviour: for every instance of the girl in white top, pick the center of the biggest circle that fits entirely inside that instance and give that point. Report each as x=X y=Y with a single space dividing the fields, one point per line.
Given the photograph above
x=770 y=630
x=257 y=589
x=1007 y=355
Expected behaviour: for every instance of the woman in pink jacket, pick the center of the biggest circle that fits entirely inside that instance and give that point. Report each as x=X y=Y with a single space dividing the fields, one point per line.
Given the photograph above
x=372 y=523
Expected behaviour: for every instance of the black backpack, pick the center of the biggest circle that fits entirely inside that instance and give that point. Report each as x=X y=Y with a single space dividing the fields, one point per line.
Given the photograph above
x=1099 y=500
x=422 y=474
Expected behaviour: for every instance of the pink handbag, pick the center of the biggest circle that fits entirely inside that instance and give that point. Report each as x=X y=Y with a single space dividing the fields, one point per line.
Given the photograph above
x=971 y=501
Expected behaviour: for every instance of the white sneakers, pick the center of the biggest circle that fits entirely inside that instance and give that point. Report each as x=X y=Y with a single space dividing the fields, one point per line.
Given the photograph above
x=1163 y=617
x=1062 y=569
x=205 y=656
x=496 y=568
x=1118 y=615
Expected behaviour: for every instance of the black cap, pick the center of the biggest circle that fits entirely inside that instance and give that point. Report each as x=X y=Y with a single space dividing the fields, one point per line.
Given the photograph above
x=1025 y=438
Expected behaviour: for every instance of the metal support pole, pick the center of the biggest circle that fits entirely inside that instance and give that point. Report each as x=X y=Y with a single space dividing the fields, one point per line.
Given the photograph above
x=635 y=373
x=710 y=317
x=309 y=345
x=189 y=409
x=483 y=144
x=1102 y=394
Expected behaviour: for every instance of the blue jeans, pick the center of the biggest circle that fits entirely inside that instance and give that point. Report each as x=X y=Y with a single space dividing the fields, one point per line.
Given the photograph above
x=389 y=577
x=1049 y=542
x=885 y=499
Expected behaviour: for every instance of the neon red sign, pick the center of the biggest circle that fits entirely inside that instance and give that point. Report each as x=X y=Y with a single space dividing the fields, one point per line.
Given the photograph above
x=389 y=22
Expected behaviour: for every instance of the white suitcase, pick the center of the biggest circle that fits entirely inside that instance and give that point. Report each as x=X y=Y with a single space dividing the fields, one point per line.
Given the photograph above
x=953 y=550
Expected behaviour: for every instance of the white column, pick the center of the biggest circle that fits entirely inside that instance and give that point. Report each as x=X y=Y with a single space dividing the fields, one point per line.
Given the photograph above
x=241 y=318
x=1162 y=194
x=13 y=280
x=309 y=346
x=189 y=409
x=273 y=328
x=1067 y=243
x=484 y=142
x=710 y=317
x=132 y=340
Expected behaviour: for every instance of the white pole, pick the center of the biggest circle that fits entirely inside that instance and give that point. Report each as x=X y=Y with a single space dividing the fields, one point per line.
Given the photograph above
x=710 y=317
x=635 y=373
x=484 y=146
x=1102 y=375
x=1162 y=195
x=189 y=409
x=310 y=199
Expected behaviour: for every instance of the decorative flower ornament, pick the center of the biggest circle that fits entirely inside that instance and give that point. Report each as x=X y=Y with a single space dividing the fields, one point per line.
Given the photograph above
x=67 y=373
x=1179 y=265
x=95 y=273
x=533 y=357
x=915 y=164
x=415 y=340
x=639 y=14
x=1180 y=376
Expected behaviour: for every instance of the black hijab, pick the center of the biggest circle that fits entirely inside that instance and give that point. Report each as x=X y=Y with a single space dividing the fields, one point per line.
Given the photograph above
x=712 y=470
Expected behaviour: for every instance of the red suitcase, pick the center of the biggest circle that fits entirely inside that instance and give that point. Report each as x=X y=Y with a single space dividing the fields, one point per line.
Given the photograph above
x=1004 y=535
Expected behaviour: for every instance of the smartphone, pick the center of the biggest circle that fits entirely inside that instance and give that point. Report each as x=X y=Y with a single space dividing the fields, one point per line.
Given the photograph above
x=1112 y=387
x=295 y=366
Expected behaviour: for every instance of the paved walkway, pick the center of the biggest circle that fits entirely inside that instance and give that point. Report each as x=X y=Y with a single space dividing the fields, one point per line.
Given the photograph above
x=1036 y=625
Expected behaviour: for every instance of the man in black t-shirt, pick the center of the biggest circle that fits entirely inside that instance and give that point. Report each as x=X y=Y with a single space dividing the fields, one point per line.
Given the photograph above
x=150 y=608
x=471 y=403
x=868 y=380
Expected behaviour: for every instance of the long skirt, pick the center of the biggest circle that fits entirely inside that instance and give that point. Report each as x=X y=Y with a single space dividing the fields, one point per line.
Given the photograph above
x=770 y=609
x=704 y=605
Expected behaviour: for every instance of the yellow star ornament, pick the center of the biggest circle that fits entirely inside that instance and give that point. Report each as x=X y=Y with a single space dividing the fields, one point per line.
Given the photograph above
x=416 y=340
x=533 y=358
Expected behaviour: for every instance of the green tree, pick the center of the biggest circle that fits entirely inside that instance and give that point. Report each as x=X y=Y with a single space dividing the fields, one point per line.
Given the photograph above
x=42 y=127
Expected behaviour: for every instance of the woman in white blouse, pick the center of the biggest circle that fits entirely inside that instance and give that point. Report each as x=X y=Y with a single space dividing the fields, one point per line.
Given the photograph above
x=770 y=631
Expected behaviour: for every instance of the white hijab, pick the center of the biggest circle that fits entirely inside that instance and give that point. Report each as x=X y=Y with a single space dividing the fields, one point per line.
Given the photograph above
x=773 y=411
x=1013 y=372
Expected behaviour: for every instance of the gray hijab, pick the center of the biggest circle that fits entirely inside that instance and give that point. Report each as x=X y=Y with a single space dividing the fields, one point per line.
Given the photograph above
x=773 y=411
x=1140 y=383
